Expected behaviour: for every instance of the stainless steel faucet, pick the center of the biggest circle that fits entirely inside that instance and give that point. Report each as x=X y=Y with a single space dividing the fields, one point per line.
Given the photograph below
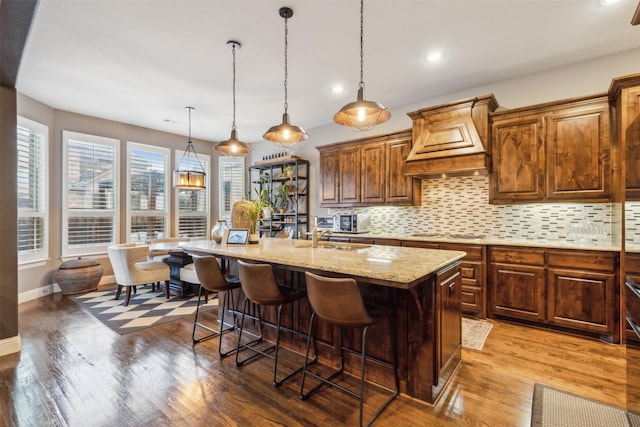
x=315 y=236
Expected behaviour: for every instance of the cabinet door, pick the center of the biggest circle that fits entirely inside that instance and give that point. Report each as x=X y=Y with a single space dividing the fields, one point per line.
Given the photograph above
x=578 y=152
x=349 y=174
x=329 y=176
x=400 y=189
x=518 y=291
x=518 y=160
x=581 y=300
x=449 y=321
x=631 y=135
x=373 y=167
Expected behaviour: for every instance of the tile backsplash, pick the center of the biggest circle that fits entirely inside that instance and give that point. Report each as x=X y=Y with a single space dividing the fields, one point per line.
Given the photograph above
x=632 y=224
x=460 y=205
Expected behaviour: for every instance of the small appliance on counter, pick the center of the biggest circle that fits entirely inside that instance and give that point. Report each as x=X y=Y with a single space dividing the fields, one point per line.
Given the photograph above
x=326 y=222
x=355 y=223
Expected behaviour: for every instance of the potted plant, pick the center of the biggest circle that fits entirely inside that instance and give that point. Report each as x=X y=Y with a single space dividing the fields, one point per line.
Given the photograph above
x=264 y=195
x=281 y=197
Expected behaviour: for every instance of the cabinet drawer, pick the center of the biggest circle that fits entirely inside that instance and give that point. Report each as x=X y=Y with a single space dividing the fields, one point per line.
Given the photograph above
x=420 y=244
x=474 y=253
x=517 y=256
x=633 y=263
x=592 y=260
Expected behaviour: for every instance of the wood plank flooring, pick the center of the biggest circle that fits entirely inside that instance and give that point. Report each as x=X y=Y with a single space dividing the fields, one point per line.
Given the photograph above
x=74 y=371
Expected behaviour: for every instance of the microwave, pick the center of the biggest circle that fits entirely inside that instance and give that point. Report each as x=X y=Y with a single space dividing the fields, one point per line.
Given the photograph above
x=355 y=223
x=326 y=222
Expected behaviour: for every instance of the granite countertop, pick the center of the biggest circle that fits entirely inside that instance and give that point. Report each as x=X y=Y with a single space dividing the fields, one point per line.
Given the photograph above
x=388 y=265
x=480 y=240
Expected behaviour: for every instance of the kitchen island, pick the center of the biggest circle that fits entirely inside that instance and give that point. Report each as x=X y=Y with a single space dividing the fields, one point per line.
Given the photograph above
x=421 y=285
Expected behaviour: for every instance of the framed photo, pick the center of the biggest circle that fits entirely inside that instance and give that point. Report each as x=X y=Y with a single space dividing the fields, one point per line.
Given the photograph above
x=238 y=236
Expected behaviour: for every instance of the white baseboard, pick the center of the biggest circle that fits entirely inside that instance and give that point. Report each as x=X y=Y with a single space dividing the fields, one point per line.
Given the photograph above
x=10 y=345
x=49 y=289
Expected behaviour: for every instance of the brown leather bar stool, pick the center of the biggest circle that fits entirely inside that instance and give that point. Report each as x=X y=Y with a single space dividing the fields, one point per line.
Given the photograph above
x=212 y=280
x=261 y=288
x=339 y=303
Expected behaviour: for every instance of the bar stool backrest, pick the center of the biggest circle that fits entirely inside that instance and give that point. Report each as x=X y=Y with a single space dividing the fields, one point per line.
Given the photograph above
x=259 y=284
x=209 y=273
x=337 y=301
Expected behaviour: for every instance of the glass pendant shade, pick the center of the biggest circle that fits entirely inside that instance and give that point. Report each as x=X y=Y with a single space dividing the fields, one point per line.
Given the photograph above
x=285 y=134
x=189 y=179
x=233 y=147
x=362 y=114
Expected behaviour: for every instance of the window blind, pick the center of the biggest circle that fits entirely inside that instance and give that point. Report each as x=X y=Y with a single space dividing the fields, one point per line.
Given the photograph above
x=91 y=193
x=231 y=185
x=147 y=213
x=32 y=190
x=192 y=207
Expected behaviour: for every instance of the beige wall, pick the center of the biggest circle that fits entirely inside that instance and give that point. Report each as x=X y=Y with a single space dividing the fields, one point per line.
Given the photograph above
x=586 y=78
x=34 y=276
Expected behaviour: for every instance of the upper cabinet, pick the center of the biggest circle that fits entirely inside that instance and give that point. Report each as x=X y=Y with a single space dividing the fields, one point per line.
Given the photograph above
x=368 y=172
x=451 y=138
x=625 y=98
x=559 y=151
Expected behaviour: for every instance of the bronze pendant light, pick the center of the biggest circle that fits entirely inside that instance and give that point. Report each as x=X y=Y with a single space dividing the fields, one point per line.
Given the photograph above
x=189 y=179
x=233 y=147
x=285 y=134
x=362 y=115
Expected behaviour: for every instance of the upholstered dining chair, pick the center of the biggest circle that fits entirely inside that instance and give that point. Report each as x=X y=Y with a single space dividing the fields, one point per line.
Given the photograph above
x=212 y=279
x=131 y=268
x=338 y=302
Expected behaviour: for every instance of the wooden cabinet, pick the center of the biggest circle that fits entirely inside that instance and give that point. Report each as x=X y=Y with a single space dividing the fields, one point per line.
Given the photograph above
x=625 y=94
x=518 y=159
x=448 y=322
x=552 y=152
x=517 y=283
x=569 y=289
x=368 y=172
x=472 y=273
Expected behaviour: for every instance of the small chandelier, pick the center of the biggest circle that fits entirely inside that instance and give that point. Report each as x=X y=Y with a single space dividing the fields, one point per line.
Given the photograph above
x=362 y=115
x=187 y=179
x=233 y=147
x=285 y=134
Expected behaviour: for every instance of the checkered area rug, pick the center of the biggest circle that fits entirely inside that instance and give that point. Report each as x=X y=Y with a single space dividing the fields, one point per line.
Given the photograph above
x=146 y=308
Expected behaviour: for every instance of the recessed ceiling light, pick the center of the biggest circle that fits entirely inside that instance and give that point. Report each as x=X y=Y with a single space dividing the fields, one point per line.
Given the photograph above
x=434 y=56
x=337 y=89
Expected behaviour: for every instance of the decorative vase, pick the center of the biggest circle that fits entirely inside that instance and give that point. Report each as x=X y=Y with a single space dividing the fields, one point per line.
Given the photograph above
x=254 y=238
x=218 y=230
x=266 y=212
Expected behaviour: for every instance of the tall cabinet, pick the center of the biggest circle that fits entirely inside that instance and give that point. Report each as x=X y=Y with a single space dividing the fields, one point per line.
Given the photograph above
x=286 y=185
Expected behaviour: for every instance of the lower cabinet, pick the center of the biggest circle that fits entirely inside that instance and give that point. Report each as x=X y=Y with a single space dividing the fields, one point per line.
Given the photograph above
x=472 y=271
x=570 y=289
x=448 y=322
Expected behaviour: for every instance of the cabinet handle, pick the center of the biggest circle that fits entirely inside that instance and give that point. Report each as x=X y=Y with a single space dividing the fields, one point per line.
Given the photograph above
x=452 y=288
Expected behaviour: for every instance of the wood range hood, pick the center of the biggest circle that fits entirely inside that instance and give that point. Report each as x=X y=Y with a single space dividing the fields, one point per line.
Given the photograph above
x=451 y=139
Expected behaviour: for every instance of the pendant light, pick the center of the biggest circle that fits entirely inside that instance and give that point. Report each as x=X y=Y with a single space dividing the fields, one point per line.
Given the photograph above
x=285 y=134
x=189 y=179
x=362 y=115
x=232 y=147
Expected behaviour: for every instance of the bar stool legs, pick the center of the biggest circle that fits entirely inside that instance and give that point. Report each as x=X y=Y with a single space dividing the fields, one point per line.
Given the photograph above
x=221 y=330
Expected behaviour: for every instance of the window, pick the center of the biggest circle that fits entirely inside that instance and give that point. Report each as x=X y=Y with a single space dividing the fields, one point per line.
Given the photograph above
x=90 y=193
x=32 y=188
x=147 y=192
x=230 y=184
x=192 y=207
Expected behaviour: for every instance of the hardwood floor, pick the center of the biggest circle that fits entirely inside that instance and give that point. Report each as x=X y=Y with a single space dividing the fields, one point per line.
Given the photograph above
x=74 y=371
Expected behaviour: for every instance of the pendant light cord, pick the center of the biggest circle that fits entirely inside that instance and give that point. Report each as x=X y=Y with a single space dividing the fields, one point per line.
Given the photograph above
x=233 y=50
x=190 y=144
x=361 y=44
x=286 y=73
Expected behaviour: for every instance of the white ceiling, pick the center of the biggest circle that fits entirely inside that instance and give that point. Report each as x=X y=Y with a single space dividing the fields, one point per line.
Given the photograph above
x=142 y=61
